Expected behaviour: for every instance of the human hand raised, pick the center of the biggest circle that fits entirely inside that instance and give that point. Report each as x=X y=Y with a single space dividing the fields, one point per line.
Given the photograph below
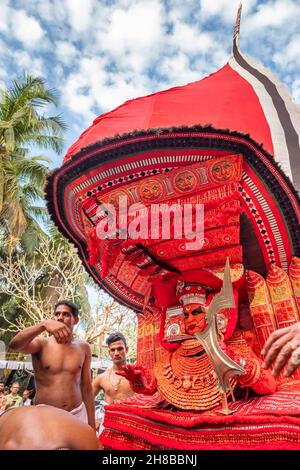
x=283 y=349
x=59 y=330
x=136 y=376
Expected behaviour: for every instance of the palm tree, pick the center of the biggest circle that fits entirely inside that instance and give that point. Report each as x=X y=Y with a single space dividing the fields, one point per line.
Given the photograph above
x=22 y=128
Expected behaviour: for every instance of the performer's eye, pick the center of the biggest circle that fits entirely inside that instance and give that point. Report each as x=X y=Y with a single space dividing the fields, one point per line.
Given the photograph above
x=197 y=311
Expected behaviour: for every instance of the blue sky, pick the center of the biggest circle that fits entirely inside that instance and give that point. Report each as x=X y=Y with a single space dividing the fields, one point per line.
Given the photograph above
x=99 y=53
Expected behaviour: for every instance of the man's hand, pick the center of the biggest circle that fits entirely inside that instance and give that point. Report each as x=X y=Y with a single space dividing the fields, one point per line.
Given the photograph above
x=59 y=330
x=136 y=376
x=283 y=349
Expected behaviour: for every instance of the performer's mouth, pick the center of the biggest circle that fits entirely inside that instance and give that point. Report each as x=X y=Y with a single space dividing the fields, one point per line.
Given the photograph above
x=192 y=328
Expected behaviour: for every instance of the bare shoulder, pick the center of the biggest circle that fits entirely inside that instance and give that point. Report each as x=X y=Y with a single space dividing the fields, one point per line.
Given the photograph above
x=37 y=345
x=84 y=346
x=99 y=379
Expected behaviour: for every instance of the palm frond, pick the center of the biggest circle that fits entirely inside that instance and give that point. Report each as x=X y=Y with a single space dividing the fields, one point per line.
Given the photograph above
x=19 y=108
x=29 y=88
x=31 y=237
x=25 y=125
x=32 y=169
x=40 y=214
x=53 y=123
x=32 y=193
x=44 y=141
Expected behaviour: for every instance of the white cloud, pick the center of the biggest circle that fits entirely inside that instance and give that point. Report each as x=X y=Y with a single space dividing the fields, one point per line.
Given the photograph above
x=79 y=13
x=4 y=16
x=136 y=29
x=53 y=11
x=26 y=62
x=79 y=89
x=176 y=70
x=3 y=50
x=59 y=72
x=290 y=55
x=74 y=98
x=179 y=11
x=26 y=29
x=3 y=72
x=296 y=91
x=225 y=9
x=104 y=52
x=92 y=87
x=189 y=39
x=278 y=13
x=120 y=90
x=66 y=52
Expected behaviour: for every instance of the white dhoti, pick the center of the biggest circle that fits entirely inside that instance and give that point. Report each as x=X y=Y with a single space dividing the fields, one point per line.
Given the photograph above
x=79 y=412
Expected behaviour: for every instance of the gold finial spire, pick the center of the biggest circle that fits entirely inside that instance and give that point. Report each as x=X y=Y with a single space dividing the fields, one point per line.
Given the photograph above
x=237 y=26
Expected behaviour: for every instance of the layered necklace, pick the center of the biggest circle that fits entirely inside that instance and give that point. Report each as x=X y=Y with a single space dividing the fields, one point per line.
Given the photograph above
x=115 y=385
x=186 y=378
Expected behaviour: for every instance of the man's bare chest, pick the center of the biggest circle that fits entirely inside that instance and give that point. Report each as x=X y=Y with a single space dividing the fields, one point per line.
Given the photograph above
x=115 y=386
x=57 y=358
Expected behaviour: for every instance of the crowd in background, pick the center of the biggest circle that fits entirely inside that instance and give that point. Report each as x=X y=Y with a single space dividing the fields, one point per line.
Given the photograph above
x=11 y=398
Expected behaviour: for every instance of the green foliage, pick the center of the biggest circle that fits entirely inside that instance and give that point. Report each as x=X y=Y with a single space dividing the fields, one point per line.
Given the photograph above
x=25 y=227
x=23 y=128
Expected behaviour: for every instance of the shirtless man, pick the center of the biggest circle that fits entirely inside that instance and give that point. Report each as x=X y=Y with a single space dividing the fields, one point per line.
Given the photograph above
x=115 y=388
x=45 y=428
x=62 y=365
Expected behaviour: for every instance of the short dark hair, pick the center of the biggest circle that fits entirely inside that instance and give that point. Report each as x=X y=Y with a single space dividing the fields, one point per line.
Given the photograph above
x=73 y=307
x=113 y=337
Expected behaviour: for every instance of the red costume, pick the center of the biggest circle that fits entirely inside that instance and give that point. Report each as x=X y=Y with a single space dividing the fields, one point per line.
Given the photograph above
x=159 y=149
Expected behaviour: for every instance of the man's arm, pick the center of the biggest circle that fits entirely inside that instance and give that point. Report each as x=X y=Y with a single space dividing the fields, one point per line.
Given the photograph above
x=137 y=377
x=86 y=387
x=26 y=340
x=97 y=385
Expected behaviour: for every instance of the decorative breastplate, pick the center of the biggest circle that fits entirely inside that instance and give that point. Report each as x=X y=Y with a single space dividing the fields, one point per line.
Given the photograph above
x=186 y=378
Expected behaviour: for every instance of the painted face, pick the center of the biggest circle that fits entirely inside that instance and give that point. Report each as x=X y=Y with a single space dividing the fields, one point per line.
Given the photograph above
x=117 y=351
x=115 y=197
x=63 y=314
x=185 y=181
x=222 y=171
x=194 y=318
x=151 y=190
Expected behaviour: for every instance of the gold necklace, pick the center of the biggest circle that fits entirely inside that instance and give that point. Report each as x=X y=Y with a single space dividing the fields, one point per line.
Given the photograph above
x=114 y=385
